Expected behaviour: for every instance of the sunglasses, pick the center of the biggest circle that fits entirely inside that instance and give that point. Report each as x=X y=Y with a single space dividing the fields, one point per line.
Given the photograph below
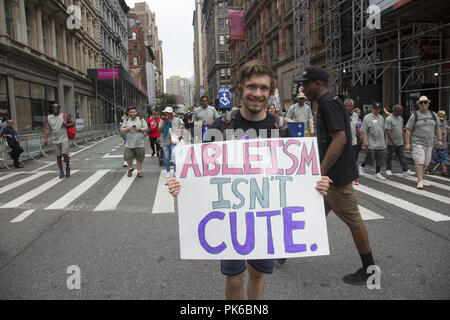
x=424 y=102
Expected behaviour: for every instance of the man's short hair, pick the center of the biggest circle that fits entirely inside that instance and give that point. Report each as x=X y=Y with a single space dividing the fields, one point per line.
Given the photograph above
x=131 y=108
x=349 y=101
x=204 y=96
x=397 y=106
x=256 y=67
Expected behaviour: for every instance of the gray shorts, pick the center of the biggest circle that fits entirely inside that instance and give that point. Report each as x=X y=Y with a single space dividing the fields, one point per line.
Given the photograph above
x=235 y=267
x=62 y=148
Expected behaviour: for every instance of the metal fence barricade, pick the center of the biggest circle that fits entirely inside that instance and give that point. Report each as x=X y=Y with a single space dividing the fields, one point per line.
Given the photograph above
x=4 y=154
x=32 y=145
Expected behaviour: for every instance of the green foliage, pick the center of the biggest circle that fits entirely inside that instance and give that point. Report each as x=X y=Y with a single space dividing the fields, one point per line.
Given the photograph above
x=167 y=100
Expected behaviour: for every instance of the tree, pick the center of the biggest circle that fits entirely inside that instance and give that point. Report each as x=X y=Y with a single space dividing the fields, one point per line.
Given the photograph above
x=167 y=100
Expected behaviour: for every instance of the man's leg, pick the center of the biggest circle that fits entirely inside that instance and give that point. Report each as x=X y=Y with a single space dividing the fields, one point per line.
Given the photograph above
x=389 y=158
x=59 y=161
x=255 y=285
x=234 y=287
x=361 y=239
x=401 y=157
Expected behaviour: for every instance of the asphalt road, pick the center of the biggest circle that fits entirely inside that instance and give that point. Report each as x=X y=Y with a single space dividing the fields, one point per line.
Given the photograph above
x=123 y=236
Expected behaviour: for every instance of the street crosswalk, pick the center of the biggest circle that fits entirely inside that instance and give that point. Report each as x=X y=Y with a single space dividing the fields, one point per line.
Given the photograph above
x=108 y=190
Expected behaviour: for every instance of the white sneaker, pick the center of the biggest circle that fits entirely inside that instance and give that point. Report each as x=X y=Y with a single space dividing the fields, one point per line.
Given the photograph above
x=388 y=172
x=174 y=175
x=408 y=173
x=168 y=175
x=361 y=171
x=380 y=176
x=426 y=184
x=420 y=185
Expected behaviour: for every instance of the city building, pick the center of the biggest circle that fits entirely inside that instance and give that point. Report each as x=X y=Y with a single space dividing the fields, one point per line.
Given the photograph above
x=139 y=53
x=217 y=55
x=269 y=38
x=199 y=53
x=43 y=58
x=181 y=88
x=393 y=57
x=147 y=19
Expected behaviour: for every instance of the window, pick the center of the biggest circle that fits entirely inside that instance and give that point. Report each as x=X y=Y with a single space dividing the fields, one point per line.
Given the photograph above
x=222 y=56
x=135 y=47
x=221 y=24
x=23 y=104
x=222 y=40
x=135 y=61
x=8 y=18
x=38 y=109
x=4 y=101
x=134 y=35
x=29 y=28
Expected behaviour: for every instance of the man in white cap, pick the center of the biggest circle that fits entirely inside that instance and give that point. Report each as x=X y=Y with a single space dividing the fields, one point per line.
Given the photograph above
x=420 y=130
x=301 y=112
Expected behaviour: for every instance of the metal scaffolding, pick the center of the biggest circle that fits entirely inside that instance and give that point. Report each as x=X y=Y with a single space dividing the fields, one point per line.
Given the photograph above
x=405 y=56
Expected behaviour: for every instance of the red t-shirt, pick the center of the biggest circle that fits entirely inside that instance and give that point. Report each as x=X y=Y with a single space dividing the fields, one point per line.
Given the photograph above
x=153 y=127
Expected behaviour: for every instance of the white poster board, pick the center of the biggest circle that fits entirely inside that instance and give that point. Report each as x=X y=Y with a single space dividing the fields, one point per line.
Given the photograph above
x=251 y=199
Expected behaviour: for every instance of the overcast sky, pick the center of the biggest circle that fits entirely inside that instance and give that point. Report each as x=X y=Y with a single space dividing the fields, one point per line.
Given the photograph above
x=174 y=21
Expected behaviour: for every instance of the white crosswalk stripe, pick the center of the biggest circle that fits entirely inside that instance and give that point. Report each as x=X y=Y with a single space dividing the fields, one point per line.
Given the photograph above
x=403 y=187
x=165 y=203
x=403 y=204
x=78 y=191
x=34 y=193
x=434 y=184
x=112 y=200
x=21 y=182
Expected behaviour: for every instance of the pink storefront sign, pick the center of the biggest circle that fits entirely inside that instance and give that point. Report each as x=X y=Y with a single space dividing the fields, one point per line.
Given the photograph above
x=107 y=73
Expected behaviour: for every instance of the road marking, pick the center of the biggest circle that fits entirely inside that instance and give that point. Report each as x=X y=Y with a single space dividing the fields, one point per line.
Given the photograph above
x=23 y=216
x=402 y=204
x=9 y=175
x=434 y=184
x=111 y=201
x=34 y=193
x=77 y=192
x=367 y=214
x=74 y=153
x=108 y=156
x=414 y=190
x=21 y=182
x=164 y=201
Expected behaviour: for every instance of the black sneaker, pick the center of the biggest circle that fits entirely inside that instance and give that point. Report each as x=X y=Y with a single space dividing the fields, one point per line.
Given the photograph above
x=280 y=261
x=358 y=278
x=67 y=172
x=62 y=175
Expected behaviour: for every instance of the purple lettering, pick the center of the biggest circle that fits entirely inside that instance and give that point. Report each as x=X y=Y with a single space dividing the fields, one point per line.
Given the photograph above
x=289 y=227
x=201 y=233
x=249 y=244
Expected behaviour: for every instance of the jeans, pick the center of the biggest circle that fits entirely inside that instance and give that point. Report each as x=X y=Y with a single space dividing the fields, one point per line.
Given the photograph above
x=400 y=152
x=167 y=151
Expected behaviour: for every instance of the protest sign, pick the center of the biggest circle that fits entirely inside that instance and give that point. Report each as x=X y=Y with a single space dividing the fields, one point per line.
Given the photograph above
x=224 y=98
x=251 y=199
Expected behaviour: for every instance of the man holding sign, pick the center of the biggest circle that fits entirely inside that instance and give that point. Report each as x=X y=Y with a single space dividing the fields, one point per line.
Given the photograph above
x=335 y=147
x=271 y=193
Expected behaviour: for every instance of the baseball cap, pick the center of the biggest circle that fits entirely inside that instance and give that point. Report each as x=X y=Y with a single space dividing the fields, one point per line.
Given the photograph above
x=376 y=105
x=313 y=73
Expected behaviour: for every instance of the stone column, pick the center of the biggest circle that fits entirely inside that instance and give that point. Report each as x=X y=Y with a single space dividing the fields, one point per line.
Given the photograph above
x=53 y=52
x=40 y=37
x=2 y=18
x=74 y=54
x=64 y=46
x=81 y=67
x=22 y=23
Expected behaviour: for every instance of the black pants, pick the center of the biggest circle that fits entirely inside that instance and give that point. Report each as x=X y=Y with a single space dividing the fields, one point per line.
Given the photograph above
x=400 y=152
x=153 y=143
x=15 y=152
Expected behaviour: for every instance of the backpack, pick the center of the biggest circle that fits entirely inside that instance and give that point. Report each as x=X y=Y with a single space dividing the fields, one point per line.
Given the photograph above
x=71 y=131
x=227 y=122
x=416 y=117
